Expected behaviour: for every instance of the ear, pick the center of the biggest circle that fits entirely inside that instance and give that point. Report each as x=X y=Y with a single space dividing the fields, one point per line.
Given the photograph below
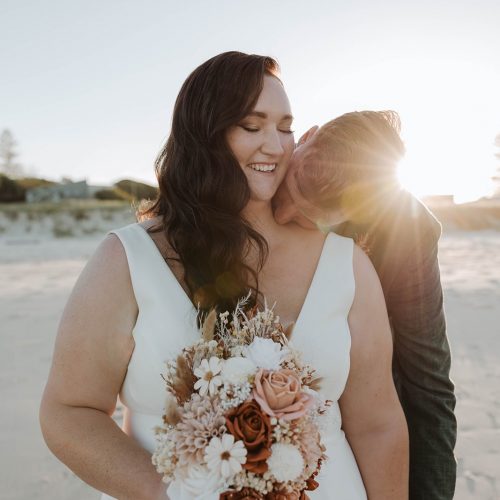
x=308 y=135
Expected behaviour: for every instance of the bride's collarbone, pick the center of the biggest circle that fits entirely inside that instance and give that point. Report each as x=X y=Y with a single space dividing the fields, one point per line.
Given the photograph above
x=286 y=276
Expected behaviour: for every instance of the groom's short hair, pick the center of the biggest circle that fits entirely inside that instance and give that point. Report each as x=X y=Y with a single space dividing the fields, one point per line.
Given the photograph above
x=350 y=159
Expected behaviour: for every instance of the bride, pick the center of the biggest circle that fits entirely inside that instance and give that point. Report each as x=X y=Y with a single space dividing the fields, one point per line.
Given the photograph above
x=209 y=237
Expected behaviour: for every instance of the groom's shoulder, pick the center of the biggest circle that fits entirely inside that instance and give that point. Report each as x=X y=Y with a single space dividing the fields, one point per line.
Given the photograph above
x=406 y=229
x=411 y=223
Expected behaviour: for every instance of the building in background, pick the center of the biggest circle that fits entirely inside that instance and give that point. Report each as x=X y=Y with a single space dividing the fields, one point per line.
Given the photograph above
x=58 y=192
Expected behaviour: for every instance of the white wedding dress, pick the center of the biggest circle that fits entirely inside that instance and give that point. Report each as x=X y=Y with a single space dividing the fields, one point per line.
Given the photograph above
x=167 y=322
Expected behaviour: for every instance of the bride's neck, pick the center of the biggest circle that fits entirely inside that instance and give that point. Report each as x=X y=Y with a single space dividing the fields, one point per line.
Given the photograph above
x=259 y=215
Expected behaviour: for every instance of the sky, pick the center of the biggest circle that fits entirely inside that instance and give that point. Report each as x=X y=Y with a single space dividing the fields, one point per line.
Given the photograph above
x=87 y=87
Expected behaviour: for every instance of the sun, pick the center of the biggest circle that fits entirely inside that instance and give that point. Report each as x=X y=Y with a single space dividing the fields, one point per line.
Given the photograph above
x=451 y=164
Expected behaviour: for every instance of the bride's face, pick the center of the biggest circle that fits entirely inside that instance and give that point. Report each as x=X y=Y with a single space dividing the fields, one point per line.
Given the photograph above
x=263 y=141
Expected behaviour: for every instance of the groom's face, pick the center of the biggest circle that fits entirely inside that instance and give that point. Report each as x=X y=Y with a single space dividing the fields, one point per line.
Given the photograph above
x=290 y=205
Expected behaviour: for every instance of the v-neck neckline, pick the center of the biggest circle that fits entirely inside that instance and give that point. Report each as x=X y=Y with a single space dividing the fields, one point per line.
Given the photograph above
x=307 y=298
x=312 y=284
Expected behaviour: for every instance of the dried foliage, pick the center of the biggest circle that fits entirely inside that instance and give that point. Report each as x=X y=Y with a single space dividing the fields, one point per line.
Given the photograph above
x=208 y=328
x=183 y=380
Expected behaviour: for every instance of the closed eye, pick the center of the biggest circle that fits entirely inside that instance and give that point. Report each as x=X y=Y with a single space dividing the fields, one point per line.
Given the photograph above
x=248 y=129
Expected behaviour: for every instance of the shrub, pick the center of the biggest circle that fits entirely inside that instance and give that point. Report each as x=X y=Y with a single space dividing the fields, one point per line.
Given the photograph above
x=10 y=190
x=33 y=182
x=113 y=194
x=138 y=190
x=62 y=232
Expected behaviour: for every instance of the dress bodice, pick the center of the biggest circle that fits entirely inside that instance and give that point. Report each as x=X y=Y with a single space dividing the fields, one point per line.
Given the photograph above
x=166 y=323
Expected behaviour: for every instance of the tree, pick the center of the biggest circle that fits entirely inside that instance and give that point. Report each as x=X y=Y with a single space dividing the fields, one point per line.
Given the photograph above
x=10 y=190
x=8 y=155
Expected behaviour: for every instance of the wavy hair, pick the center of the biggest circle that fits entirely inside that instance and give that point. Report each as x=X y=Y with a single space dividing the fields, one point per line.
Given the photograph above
x=202 y=189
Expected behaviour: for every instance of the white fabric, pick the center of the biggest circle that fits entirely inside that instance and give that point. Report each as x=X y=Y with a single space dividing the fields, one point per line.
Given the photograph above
x=167 y=322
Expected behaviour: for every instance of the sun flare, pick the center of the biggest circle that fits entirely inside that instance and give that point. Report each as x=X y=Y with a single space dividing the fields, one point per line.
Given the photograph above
x=457 y=163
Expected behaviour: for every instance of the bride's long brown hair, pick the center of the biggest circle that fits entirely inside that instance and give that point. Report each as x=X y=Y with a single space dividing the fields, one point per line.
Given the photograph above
x=202 y=189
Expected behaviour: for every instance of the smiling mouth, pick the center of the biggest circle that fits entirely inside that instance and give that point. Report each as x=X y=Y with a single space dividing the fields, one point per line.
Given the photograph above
x=263 y=167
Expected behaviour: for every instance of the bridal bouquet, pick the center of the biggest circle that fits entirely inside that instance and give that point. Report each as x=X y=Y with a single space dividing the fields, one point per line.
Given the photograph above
x=242 y=414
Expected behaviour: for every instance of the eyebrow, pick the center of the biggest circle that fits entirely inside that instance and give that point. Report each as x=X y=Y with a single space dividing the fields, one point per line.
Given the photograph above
x=260 y=114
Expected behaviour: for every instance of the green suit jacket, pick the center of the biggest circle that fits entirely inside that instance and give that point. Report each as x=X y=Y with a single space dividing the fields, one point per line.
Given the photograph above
x=402 y=243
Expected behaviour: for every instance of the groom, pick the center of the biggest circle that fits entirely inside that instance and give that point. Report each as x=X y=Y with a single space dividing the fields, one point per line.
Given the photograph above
x=342 y=177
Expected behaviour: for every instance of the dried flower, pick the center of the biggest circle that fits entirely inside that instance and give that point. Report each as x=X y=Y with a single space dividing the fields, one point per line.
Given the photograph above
x=244 y=494
x=172 y=415
x=246 y=417
x=225 y=456
x=279 y=394
x=310 y=445
x=237 y=370
x=248 y=423
x=198 y=482
x=286 y=462
x=202 y=419
x=164 y=456
x=282 y=494
x=208 y=378
x=182 y=380
x=234 y=395
x=208 y=327
x=265 y=353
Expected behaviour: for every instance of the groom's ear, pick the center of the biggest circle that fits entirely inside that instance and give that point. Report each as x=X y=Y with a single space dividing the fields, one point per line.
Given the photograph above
x=308 y=135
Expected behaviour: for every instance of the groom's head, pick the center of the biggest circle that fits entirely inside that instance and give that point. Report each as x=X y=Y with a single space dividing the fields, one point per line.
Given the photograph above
x=344 y=170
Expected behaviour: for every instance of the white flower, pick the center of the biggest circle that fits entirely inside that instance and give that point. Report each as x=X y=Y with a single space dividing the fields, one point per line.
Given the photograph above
x=224 y=456
x=286 y=463
x=265 y=353
x=237 y=370
x=237 y=350
x=208 y=376
x=199 y=483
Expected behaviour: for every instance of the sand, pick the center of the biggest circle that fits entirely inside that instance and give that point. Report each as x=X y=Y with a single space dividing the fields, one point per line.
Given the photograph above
x=37 y=274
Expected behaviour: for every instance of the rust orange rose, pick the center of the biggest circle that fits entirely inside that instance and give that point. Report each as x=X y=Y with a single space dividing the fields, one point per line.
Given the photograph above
x=282 y=495
x=279 y=394
x=250 y=424
x=244 y=494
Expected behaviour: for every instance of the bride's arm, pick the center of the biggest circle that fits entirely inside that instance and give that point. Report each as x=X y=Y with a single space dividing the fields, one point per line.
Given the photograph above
x=372 y=417
x=92 y=350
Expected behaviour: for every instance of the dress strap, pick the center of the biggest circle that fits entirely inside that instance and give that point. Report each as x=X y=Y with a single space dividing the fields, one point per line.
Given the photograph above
x=340 y=272
x=152 y=278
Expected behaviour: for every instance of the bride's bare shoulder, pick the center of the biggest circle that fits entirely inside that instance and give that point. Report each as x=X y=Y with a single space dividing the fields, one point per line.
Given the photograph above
x=365 y=274
x=368 y=308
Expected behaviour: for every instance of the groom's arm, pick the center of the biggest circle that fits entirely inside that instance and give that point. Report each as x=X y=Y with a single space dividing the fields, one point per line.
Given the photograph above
x=422 y=365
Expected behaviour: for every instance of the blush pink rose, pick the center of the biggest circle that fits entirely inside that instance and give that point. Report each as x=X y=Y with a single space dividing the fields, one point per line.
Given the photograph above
x=279 y=394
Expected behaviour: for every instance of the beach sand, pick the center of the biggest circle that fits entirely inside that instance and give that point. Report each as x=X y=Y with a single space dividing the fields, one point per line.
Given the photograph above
x=36 y=276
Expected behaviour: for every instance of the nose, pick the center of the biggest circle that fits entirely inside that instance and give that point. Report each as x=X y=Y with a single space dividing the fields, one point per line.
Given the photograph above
x=272 y=145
